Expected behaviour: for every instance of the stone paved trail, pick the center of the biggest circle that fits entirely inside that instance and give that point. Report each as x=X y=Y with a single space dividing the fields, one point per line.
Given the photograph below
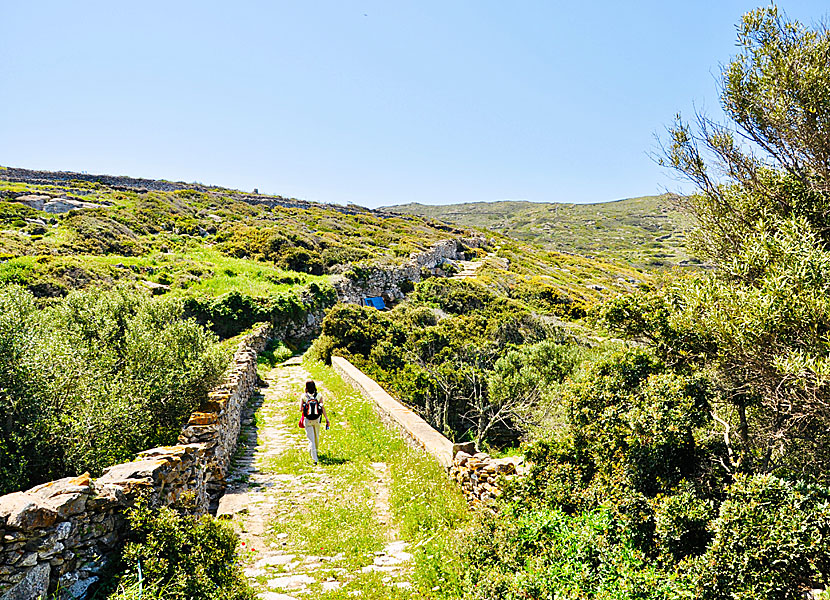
x=272 y=480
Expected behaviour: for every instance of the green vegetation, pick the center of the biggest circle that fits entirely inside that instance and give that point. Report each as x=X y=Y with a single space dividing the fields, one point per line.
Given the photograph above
x=475 y=364
x=178 y=557
x=687 y=459
x=94 y=378
x=210 y=242
x=648 y=232
x=693 y=463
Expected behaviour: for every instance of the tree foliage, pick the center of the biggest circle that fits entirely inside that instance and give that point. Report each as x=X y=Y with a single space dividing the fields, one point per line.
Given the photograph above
x=757 y=324
x=93 y=379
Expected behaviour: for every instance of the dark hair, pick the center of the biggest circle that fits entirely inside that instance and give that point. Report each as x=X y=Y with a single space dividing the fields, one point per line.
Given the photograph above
x=310 y=388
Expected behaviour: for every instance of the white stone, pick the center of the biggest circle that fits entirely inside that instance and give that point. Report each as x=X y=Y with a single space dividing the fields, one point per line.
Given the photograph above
x=387 y=561
x=290 y=582
x=30 y=560
x=275 y=596
x=280 y=559
x=63 y=530
x=395 y=547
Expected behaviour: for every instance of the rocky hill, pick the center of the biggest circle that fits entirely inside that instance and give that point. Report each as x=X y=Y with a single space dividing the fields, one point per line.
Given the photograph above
x=647 y=232
x=63 y=231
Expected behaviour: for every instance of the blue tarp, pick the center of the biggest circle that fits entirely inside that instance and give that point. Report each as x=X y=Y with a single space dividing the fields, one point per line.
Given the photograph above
x=376 y=301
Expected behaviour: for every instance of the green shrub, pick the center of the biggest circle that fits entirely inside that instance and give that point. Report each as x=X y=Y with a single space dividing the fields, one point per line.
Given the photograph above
x=94 y=233
x=681 y=525
x=546 y=554
x=771 y=540
x=301 y=260
x=180 y=557
x=406 y=286
x=234 y=312
x=358 y=329
x=94 y=378
x=457 y=296
x=322 y=348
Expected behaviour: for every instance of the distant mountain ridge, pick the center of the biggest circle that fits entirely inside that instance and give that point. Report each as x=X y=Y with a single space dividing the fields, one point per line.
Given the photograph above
x=647 y=232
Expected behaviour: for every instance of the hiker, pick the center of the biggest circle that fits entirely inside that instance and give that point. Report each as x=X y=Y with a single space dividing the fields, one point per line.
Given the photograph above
x=312 y=409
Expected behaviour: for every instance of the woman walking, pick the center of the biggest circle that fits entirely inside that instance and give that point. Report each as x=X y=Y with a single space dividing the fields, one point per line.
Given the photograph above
x=311 y=406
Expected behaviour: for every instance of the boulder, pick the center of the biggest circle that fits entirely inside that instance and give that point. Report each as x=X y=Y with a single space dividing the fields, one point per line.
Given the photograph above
x=461 y=458
x=35 y=201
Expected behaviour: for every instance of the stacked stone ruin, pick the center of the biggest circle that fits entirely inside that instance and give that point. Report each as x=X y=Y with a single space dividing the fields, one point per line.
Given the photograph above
x=57 y=537
x=386 y=280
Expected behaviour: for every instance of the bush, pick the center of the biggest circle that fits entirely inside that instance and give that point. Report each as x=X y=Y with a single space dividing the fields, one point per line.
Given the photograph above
x=358 y=329
x=457 y=296
x=234 y=312
x=770 y=540
x=180 y=558
x=681 y=525
x=302 y=261
x=95 y=378
x=547 y=554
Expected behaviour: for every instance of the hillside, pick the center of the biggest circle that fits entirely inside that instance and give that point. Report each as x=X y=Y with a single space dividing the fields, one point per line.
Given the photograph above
x=647 y=232
x=64 y=231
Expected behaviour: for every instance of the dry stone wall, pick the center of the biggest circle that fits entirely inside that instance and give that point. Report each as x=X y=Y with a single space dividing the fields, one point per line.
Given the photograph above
x=478 y=474
x=56 y=537
x=386 y=280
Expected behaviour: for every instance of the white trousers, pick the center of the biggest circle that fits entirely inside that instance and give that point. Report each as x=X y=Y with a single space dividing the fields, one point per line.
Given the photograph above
x=312 y=432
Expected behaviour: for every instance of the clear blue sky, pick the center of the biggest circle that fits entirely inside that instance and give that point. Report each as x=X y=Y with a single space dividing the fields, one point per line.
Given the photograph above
x=372 y=102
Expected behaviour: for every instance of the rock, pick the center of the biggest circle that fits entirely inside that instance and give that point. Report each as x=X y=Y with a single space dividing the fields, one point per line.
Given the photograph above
x=202 y=418
x=51 y=550
x=134 y=473
x=291 y=582
x=155 y=288
x=33 y=586
x=35 y=201
x=462 y=457
x=395 y=547
x=25 y=511
x=64 y=205
x=66 y=496
x=79 y=588
x=466 y=447
x=28 y=560
x=269 y=561
x=232 y=504
x=275 y=596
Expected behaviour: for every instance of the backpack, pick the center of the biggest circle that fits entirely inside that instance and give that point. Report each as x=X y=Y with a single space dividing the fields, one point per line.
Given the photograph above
x=311 y=407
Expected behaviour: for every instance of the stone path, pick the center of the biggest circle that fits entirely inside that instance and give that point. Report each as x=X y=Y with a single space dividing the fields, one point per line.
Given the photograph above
x=266 y=489
x=468 y=268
